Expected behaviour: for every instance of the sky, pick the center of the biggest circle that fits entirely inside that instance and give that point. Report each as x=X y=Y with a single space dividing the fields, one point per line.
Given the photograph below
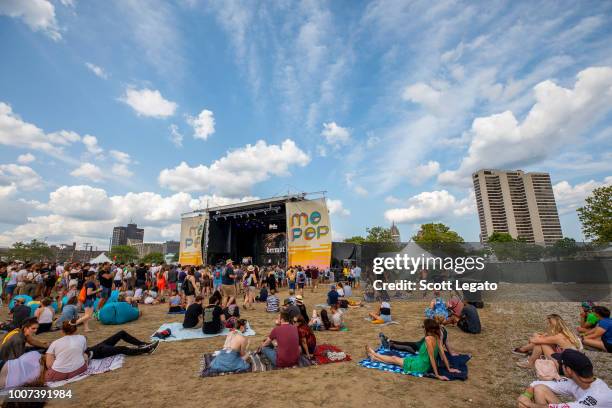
x=140 y=110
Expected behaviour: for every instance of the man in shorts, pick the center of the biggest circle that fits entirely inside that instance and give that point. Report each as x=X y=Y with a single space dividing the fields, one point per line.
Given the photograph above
x=228 y=280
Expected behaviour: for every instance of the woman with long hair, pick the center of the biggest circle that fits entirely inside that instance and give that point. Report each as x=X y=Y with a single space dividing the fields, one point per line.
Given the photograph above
x=558 y=337
x=190 y=286
x=251 y=287
x=425 y=360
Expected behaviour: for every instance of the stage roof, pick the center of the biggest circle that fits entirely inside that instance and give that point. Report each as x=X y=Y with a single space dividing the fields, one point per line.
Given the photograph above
x=247 y=204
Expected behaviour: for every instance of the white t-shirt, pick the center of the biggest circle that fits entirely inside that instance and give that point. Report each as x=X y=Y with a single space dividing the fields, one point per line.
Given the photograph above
x=118 y=274
x=336 y=319
x=46 y=315
x=597 y=395
x=12 y=278
x=68 y=352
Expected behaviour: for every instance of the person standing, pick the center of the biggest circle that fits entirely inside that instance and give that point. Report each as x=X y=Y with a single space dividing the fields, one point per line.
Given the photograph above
x=105 y=277
x=228 y=288
x=91 y=292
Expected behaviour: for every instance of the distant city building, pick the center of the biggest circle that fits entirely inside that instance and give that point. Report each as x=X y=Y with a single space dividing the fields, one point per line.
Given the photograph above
x=395 y=234
x=70 y=253
x=171 y=247
x=146 y=248
x=521 y=204
x=127 y=235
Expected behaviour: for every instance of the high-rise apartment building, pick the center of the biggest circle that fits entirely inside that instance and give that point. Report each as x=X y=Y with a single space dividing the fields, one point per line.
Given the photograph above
x=521 y=204
x=129 y=234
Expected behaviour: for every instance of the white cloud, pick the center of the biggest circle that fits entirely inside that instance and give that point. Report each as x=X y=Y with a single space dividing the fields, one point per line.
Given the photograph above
x=236 y=172
x=8 y=190
x=431 y=206
x=422 y=94
x=558 y=117
x=372 y=141
x=335 y=135
x=88 y=214
x=121 y=170
x=39 y=15
x=203 y=124
x=98 y=71
x=22 y=177
x=569 y=197
x=89 y=171
x=336 y=207
x=392 y=200
x=175 y=136
x=91 y=143
x=337 y=236
x=424 y=172
x=121 y=157
x=149 y=102
x=15 y=132
x=321 y=151
x=26 y=158
x=360 y=191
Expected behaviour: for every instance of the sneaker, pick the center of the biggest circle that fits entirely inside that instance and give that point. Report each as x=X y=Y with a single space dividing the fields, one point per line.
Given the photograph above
x=153 y=347
x=384 y=340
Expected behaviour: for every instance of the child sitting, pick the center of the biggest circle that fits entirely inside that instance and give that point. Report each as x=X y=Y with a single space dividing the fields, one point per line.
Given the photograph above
x=272 y=302
x=175 y=303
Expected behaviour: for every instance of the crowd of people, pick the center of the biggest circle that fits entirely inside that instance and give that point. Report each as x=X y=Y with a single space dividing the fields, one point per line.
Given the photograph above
x=47 y=296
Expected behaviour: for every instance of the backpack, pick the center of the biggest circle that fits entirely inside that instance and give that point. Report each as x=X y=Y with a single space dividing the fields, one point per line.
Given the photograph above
x=546 y=370
x=82 y=295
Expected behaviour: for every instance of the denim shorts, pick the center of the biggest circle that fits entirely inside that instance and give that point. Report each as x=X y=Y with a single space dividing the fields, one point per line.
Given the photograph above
x=89 y=303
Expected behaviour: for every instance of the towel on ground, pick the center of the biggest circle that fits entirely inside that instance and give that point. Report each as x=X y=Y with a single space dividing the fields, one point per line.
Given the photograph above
x=95 y=367
x=180 y=333
x=459 y=362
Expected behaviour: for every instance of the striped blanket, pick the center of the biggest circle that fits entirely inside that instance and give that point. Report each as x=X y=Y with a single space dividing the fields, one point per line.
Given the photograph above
x=260 y=363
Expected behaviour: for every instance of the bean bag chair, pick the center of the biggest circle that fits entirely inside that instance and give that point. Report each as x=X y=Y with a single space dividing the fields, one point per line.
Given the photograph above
x=118 y=313
x=35 y=304
x=114 y=297
x=27 y=299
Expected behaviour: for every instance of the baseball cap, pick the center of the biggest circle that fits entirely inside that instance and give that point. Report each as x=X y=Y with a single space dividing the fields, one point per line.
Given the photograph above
x=577 y=361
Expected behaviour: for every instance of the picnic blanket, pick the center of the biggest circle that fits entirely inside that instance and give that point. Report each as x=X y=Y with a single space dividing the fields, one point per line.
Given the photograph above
x=260 y=363
x=95 y=367
x=180 y=333
x=459 y=362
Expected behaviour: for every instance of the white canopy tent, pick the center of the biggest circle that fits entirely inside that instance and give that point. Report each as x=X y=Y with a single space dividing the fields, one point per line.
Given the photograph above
x=100 y=259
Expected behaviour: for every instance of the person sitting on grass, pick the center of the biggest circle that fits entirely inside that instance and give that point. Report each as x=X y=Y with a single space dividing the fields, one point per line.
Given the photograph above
x=233 y=356
x=19 y=314
x=319 y=321
x=383 y=315
x=44 y=314
x=193 y=314
x=588 y=319
x=332 y=296
x=175 y=303
x=308 y=340
x=287 y=350
x=600 y=336
x=580 y=385
x=14 y=343
x=425 y=360
x=263 y=294
x=557 y=338
x=272 y=302
x=213 y=316
x=337 y=319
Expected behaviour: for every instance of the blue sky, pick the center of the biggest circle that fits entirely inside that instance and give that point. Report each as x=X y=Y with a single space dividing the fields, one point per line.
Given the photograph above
x=141 y=110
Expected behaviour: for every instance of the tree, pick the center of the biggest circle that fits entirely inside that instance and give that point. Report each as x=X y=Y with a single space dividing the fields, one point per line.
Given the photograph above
x=153 y=257
x=596 y=215
x=124 y=253
x=500 y=237
x=355 y=240
x=564 y=248
x=436 y=233
x=379 y=234
x=31 y=252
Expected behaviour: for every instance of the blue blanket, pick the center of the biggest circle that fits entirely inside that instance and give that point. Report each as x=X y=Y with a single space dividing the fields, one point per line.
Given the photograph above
x=179 y=333
x=459 y=362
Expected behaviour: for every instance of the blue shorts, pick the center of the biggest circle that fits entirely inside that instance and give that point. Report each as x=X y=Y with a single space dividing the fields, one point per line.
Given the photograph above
x=89 y=303
x=292 y=285
x=10 y=289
